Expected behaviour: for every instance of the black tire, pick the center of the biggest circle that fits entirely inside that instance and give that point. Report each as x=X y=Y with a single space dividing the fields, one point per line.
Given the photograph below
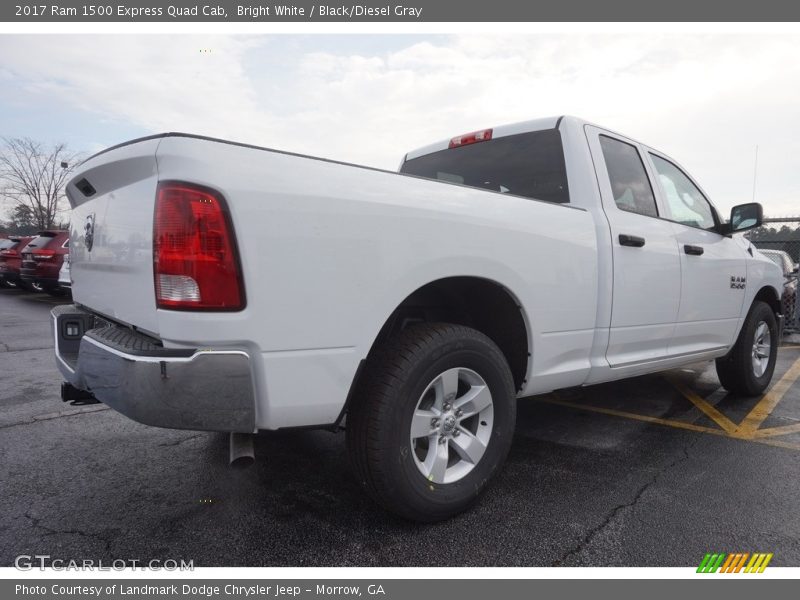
x=379 y=419
x=735 y=370
x=31 y=287
x=57 y=292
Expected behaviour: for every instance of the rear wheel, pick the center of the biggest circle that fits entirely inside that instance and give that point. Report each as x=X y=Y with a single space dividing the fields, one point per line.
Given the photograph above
x=432 y=422
x=748 y=367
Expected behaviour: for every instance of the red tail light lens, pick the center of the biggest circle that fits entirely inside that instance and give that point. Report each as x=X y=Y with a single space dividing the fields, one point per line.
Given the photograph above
x=43 y=255
x=471 y=138
x=195 y=263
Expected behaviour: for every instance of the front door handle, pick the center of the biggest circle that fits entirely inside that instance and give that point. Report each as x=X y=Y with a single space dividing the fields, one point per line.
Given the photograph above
x=631 y=240
x=693 y=250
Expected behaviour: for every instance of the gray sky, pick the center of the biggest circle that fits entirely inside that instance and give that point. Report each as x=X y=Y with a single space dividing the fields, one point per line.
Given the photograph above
x=707 y=100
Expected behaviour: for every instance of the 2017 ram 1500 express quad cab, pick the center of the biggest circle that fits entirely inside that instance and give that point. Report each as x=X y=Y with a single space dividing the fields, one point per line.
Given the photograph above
x=220 y=286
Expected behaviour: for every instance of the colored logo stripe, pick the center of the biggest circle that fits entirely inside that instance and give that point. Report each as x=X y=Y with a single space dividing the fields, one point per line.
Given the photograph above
x=731 y=558
x=710 y=563
x=733 y=563
x=758 y=563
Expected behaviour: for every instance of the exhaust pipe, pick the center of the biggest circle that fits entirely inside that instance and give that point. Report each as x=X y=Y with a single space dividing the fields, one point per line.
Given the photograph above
x=242 y=453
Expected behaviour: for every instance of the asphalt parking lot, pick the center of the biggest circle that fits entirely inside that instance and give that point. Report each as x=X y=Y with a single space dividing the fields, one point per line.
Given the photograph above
x=655 y=471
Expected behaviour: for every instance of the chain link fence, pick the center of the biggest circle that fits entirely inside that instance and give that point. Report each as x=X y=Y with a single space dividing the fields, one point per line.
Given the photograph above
x=779 y=240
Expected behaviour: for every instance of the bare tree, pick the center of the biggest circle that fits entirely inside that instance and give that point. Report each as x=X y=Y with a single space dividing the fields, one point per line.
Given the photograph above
x=32 y=176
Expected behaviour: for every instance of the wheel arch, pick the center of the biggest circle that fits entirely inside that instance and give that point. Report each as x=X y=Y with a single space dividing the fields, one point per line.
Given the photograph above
x=769 y=295
x=476 y=302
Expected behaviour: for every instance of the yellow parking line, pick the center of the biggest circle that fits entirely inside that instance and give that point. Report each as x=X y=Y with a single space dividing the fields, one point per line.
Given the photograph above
x=767 y=404
x=771 y=442
x=667 y=422
x=634 y=416
x=710 y=411
x=774 y=431
x=747 y=430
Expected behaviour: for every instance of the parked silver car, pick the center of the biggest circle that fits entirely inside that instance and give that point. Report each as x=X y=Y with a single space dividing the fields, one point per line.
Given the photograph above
x=64 y=278
x=789 y=297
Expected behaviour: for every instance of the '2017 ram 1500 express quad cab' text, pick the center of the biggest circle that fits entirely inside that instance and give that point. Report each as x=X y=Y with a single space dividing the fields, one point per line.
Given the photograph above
x=225 y=287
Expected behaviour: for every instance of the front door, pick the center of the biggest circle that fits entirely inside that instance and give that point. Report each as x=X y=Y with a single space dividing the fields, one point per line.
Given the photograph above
x=713 y=266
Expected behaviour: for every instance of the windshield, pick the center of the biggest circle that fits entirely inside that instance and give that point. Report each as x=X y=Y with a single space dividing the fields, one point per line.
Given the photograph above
x=527 y=164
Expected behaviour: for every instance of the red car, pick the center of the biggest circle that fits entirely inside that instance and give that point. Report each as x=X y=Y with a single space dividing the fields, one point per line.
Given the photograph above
x=11 y=259
x=42 y=259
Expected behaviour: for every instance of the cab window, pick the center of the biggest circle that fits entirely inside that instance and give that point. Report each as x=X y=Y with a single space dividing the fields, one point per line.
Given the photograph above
x=685 y=202
x=525 y=164
x=629 y=182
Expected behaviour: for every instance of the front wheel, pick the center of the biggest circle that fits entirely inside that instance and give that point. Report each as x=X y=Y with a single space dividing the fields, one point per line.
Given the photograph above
x=748 y=367
x=433 y=420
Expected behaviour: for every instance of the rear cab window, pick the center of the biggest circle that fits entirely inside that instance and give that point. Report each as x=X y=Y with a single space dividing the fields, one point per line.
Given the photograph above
x=628 y=178
x=525 y=164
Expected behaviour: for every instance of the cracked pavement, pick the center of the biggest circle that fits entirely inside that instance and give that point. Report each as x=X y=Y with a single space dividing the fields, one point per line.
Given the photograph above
x=579 y=488
x=614 y=512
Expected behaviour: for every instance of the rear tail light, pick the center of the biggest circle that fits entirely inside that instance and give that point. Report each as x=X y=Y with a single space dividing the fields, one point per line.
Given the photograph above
x=42 y=254
x=195 y=264
x=471 y=138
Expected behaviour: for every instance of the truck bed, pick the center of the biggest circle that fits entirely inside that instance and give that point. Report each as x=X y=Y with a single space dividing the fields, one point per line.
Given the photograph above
x=328 y=250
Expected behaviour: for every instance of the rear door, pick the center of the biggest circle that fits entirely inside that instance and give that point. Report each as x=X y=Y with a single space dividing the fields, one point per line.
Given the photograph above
x=713 y=266
x=647 y=278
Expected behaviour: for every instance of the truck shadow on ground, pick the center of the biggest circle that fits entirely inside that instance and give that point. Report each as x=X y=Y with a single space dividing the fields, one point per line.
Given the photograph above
x=579 y=488
x=572 y=476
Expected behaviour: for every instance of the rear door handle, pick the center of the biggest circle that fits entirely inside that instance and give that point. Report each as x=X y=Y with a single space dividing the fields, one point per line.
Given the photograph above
x=693 y=250
x=631 y=240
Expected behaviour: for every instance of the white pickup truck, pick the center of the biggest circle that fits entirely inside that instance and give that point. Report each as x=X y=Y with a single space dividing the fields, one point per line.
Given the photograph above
x=226 y=287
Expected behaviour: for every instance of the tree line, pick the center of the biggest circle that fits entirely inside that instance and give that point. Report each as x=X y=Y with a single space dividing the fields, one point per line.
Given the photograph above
x=32 y=180
x=777 y=232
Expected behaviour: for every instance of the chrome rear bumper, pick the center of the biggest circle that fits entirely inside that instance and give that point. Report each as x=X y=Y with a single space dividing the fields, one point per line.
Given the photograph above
x=207 y=389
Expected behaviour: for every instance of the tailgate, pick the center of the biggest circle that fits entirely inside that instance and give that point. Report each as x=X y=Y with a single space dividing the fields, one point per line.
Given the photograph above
x=111 y=232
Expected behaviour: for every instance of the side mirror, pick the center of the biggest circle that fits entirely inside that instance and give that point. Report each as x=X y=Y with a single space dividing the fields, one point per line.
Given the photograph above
x=744 y=217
